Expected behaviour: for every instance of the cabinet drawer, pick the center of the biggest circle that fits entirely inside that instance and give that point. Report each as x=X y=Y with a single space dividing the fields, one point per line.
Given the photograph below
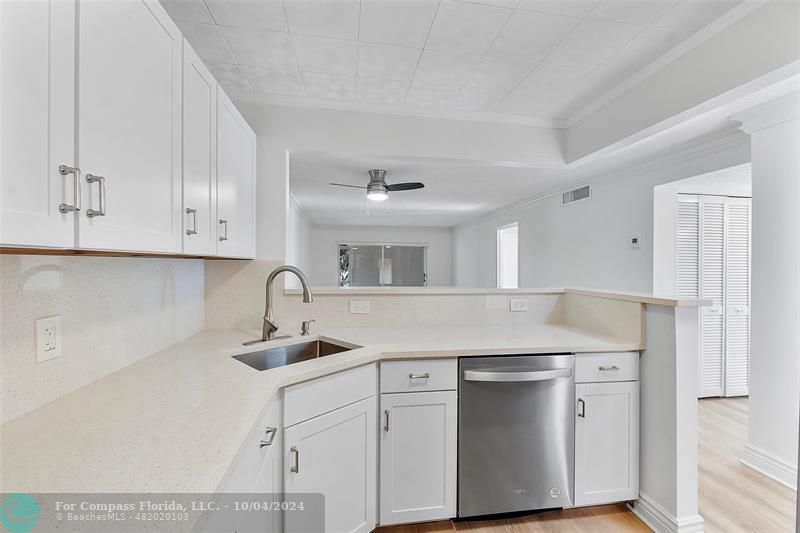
x=599 y=367
x=322 y=395
x=419 y=375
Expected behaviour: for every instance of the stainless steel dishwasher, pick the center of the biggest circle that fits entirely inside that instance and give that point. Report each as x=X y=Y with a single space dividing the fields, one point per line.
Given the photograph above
x=516 y=433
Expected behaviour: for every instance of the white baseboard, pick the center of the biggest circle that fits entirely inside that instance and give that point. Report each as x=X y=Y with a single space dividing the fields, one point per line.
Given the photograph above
x=773 y=467
x=661 y=521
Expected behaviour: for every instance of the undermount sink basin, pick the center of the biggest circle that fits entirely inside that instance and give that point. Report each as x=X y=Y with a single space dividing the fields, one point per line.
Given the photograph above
x=287 y=355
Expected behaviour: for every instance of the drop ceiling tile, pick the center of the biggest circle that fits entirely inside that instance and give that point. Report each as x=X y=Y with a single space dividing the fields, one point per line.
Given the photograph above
x=631 y=11
x=187 y=11
x=260 y=47
x=264 y=15
x=645 y=48
x=440 y=68
x=592 y=41
x=387 y=62
x=571 y=8
x=274 y=80
x=328 y=56
x=465 y=28
x=470 y=99
x=329 y=86
x=691 y=15
x=551 y=78
x=381 y=91
x=532 y=34
x=207 y=41
x=530 y=104
x=500 y=74
x=229 y=76
x=400 y=22
x=432 y=96
x=326 y=18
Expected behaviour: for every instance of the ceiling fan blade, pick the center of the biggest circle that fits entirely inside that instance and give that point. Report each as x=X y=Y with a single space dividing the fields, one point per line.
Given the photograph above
x=346 y=185
x=408 y=186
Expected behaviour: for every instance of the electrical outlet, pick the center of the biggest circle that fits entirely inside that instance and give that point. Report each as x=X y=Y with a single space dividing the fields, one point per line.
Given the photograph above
x=359 y=307
x=48 y=338
x=518 y=304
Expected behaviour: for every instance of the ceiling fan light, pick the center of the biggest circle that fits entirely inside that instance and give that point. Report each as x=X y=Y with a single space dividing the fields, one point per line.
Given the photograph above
x=377 y=196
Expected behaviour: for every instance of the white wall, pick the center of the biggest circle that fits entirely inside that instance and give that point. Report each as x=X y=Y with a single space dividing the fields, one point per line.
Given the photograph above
x=587 y=243
x=324 y=249
x=775 y=309
x=114 y=311
x=298 y=241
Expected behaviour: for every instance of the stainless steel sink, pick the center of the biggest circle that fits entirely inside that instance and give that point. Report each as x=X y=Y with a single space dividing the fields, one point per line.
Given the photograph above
x=287 y=355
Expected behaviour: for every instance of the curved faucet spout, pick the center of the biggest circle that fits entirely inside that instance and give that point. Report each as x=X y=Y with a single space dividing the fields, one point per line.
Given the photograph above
x=270 y=326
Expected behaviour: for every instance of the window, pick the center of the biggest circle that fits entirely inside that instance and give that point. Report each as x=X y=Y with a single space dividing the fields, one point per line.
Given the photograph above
x=508 y=256
x=382 y=265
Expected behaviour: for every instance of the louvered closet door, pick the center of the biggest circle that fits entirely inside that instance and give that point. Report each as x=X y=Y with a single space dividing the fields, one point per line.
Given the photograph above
x=737 y=293
x=712 y=287
x=687 y=241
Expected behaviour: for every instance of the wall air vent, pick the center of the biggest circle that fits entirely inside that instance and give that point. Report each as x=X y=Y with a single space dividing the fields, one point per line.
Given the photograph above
x=581 y=193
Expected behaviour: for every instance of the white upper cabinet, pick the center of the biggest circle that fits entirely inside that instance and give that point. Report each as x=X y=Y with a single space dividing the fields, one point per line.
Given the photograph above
x=236 y=171
x=199 y=156
x=37 y=71
x=129 y=126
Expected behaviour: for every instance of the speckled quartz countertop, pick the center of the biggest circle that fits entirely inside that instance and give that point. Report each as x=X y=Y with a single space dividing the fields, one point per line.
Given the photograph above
x=174 y=421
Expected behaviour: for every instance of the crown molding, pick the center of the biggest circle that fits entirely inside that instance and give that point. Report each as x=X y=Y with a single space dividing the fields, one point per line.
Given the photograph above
x=783 y=109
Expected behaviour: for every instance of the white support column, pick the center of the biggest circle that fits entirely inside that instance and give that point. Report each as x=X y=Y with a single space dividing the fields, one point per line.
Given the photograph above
x=668 y=426
x=771 y=447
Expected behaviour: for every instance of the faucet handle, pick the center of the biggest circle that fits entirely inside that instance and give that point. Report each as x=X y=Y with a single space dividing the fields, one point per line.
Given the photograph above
x=305 y=328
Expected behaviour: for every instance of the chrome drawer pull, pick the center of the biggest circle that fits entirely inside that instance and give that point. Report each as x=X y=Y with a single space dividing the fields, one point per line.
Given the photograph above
x=224 y=237
x=296 y=466
x=76 y=192
x=386 y=427
x=91 y=213
x=193 y=212
x=426 y=375
x=608 y=368
x=270 y=433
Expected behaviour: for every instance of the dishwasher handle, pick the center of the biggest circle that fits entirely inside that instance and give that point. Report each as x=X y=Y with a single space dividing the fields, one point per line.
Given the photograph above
x=535 y=375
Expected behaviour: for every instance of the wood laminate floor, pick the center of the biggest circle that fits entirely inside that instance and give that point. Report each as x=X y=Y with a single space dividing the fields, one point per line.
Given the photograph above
x=733 y=497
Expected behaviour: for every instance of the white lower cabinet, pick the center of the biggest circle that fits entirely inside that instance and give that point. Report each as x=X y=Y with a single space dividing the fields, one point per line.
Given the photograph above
x=606 y=442
x=418 y=456
x=335 y=454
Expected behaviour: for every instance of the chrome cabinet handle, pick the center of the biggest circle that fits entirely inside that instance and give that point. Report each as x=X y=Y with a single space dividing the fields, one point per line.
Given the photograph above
x=608 y=368
x=581 y=408
x=426 y=375
x=91 y=213
x=225 y=222
x=296 y=466
x=193 y=212
x=386 y=427
x=64 y=170
x=270 y=433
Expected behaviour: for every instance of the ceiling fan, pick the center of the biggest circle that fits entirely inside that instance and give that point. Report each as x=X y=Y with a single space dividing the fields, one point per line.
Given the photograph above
x=377 y=188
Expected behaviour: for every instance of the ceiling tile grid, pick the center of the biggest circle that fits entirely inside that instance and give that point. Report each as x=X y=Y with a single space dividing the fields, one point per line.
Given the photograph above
x=537 y=59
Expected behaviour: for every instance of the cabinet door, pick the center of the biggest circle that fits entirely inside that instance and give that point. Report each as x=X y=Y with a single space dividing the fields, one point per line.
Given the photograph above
x=418 y=456
x=334 y=454
x=37 y=98
x=129 y=126
x=199 y=156
x=236 y=172
x=606 y=442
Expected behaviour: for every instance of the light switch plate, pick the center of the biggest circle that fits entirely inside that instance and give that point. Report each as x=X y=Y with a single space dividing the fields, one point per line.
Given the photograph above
x=359 y=307
x=518 y=304
x=48 y=338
